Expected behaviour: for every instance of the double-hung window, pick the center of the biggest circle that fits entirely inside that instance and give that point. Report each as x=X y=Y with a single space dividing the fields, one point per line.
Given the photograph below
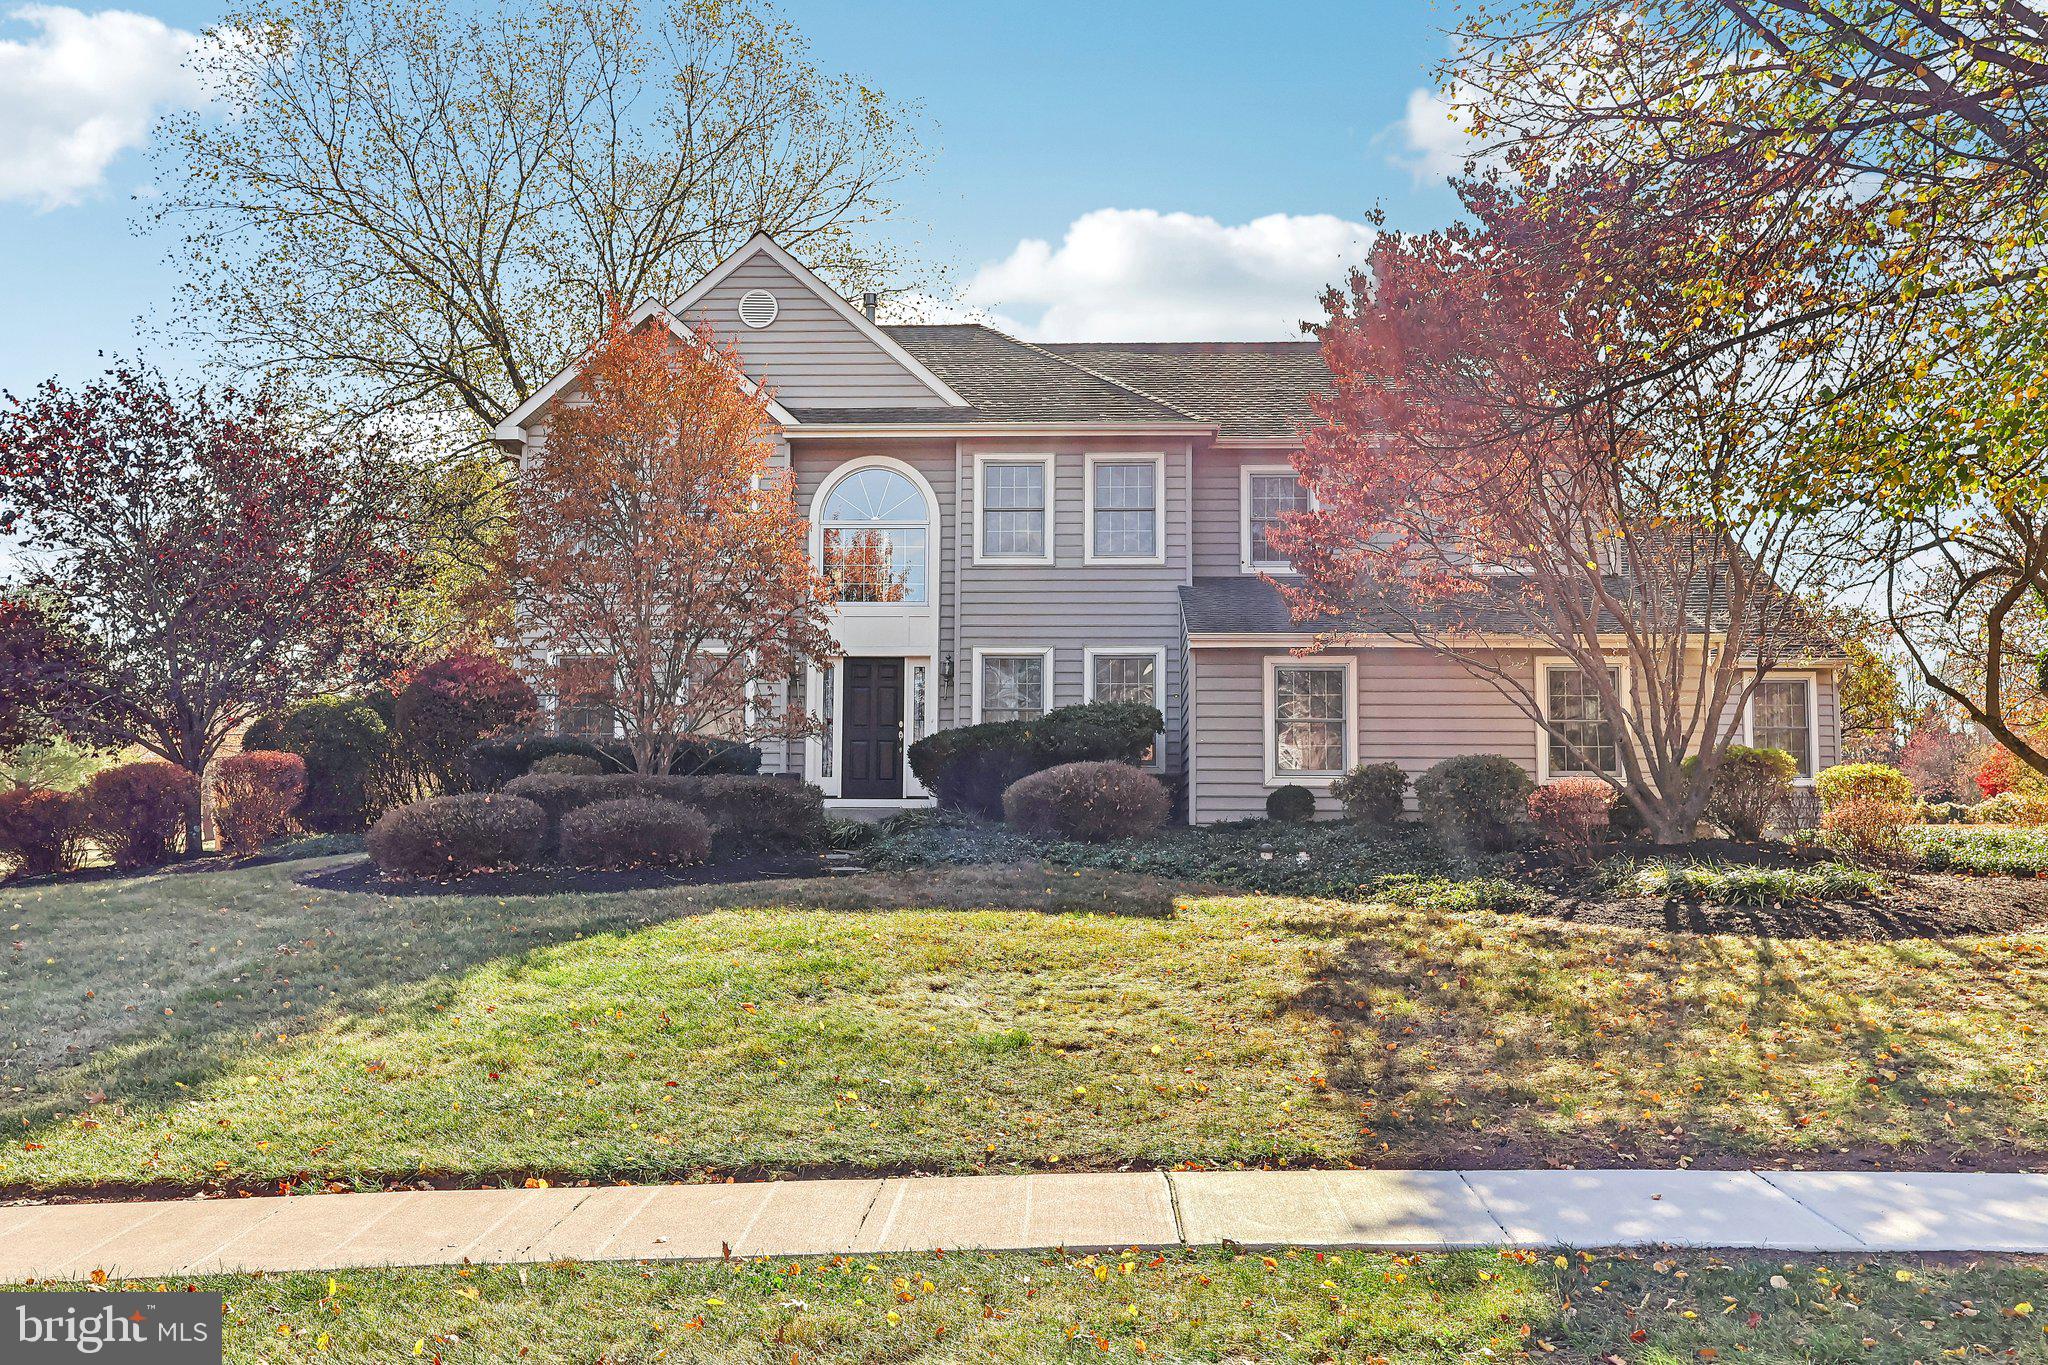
x=1124 y=521
x=1781 y=717
x=1014 y=496
x=1012 y=685
x=1270 y=495
x=1580 y=737
x=1308 y=718
x=1126 y=675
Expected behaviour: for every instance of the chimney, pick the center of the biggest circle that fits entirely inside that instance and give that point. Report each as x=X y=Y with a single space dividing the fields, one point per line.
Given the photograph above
x=867 y=304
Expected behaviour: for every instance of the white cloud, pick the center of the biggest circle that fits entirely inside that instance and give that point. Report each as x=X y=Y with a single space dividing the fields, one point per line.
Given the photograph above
x=79 y=91
x=1142 y=275
x=1434 y=140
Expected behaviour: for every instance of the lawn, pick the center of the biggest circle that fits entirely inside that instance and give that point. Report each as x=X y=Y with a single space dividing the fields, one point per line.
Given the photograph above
x=1210 y=1305
x=246 y=1028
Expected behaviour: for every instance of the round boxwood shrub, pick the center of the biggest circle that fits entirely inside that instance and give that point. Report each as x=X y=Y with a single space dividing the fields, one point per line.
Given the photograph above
x=39 y=830
x=747 y=814
x=1093 y=801
x=136 y=811
x=969 y=767
x=254 y=794
x=568 y=765
x=1372 y=793
x=1475 y=799
x=1863 y=782
x=451 y=836
x=635 y=832
x=1291 y=803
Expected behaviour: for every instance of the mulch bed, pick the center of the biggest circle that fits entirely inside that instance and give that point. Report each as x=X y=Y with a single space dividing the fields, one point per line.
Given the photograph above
x=1918 y=904
x=362 y=875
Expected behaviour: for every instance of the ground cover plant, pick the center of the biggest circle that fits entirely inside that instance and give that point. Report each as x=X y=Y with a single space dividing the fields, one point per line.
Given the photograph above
x=1258 y=1307
x=260 y=1027
x=1980 y=849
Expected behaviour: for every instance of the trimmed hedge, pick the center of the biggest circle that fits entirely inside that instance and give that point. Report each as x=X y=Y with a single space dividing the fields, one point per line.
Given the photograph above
x=1095 y=802
x=347 y=749
x=1291 y=804
x=635 y=832
x=449 y=836
x=1372 y=793
x=39 y=830
x=970 y=767
x=1863 y=782
x=494 y=762
x=254 y=794
x=1480 y=799
x=747 y=814
x=136 y=811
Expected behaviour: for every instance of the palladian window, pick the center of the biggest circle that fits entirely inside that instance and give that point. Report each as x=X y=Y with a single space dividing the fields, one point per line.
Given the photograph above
x=877 y=537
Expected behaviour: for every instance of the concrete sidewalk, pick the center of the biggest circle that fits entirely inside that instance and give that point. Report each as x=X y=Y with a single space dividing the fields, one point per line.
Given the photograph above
x=1406 y=1210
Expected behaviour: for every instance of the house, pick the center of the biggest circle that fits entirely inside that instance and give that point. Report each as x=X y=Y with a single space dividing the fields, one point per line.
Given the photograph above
x=1086 y=521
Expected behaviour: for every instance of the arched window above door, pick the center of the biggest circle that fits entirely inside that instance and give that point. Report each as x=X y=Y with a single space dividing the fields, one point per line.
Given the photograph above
x=876 y=538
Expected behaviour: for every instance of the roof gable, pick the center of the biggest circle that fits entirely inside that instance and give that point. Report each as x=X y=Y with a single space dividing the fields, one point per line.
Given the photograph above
x=650 y=314
x=818 y=351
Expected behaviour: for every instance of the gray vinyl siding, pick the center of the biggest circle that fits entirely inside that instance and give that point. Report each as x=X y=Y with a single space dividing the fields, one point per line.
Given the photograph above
x=1070 y=606
x=810 y=356
x=1414 y=708
x=1219 y=520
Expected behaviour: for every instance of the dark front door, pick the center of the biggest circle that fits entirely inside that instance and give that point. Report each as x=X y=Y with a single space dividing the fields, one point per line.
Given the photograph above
x=871 y=747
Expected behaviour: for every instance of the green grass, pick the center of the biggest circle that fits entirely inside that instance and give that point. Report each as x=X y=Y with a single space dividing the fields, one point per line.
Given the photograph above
x=1211 y=1305
x=241 y=1028
x=1981 y=849
x=1726 y=884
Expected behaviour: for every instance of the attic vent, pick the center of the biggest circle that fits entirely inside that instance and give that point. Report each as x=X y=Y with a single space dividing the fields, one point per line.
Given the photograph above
x=758 y=308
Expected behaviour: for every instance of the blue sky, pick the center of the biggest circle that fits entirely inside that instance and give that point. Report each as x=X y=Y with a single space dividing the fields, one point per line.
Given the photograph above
x=1099 y=168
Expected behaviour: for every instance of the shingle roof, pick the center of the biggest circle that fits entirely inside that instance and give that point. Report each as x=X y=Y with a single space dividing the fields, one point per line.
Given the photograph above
x=1255 y=388
x=1248 y=388
x=1007 y=380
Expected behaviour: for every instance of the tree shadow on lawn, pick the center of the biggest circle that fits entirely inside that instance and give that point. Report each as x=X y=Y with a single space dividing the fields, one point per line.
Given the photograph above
x=139 y=986
x=1505 y=1041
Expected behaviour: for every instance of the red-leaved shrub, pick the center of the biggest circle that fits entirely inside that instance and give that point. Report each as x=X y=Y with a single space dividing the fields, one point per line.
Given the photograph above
x=136 y=811
x=451 y=836
x=450 y=704
x=39 y=830
x=1571 y=812
x=1096 y=801
x=254 y=794
x=635 y=832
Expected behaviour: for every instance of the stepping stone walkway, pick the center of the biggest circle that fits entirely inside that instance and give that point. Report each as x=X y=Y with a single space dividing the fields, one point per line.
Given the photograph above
x=1406 y=1210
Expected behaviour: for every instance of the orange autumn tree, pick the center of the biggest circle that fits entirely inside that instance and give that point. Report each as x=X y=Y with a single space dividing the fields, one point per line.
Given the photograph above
x=658 y=565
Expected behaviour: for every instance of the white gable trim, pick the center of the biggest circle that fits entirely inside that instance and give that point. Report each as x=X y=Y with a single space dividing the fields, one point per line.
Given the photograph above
x=513 y=428
x=762 y=242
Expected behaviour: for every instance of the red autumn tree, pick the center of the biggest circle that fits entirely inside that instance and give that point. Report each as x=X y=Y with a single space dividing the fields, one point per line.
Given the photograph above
x=1512 y=464
x=218 y=562
x=49 y=678
x=658 y=565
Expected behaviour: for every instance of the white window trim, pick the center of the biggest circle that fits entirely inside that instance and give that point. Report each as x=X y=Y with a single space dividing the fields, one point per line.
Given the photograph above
x=982 y=460
x=1158 y=657
x=1545 y=665
x=1008 y=652
x=1244 y=517
x=932 y=564
x=1812 y=681
x=1158 y=463
x=1269 y=719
